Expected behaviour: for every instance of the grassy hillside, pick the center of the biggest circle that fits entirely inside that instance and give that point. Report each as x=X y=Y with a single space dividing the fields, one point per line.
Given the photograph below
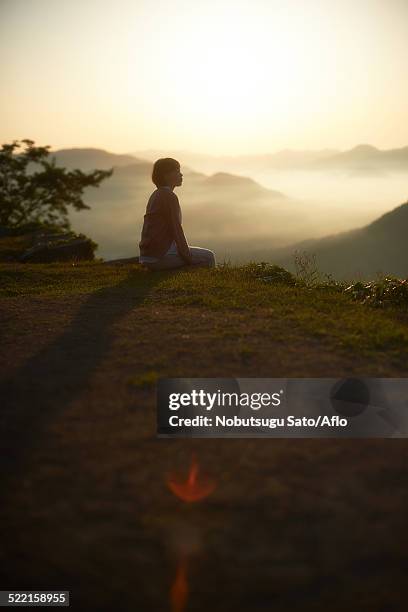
x=84 y=500
x=324 y=311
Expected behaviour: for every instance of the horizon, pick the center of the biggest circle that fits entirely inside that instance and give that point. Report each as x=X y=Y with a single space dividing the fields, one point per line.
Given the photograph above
x=221 y=155
x=256 y=154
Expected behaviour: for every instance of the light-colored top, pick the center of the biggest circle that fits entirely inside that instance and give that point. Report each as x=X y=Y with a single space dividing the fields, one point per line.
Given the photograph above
x=172 y=249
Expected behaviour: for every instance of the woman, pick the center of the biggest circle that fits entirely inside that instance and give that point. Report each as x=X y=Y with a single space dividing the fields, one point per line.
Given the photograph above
x=163 y=244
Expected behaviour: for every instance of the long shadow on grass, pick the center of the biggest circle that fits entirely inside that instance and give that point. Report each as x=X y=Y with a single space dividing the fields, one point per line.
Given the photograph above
x=58 y=373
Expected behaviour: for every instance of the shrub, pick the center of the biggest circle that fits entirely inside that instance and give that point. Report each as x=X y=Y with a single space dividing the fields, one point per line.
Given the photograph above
x=306 y=268
x=270 y=273
x=387 y=291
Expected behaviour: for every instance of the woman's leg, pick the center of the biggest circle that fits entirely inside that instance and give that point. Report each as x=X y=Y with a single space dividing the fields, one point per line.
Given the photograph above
x=203 y=257
x=200 y=257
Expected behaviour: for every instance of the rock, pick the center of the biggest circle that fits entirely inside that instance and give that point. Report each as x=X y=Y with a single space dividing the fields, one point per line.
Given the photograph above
x=51 y=247
x=41 y=244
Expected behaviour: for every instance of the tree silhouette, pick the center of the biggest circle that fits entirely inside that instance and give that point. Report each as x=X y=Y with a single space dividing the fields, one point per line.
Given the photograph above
x=41 y=196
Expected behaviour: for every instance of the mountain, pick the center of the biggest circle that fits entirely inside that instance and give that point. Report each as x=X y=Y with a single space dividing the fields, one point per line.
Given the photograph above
x=365 y=158
x=129 y=167
x=89 y=159
x=246 y=185
x=221 y=211
x=234 y=215
x=362 y=159
x=282 y=160
x=379 y=247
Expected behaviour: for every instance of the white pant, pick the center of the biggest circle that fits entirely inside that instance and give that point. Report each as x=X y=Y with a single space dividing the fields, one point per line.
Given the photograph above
x=200 y=257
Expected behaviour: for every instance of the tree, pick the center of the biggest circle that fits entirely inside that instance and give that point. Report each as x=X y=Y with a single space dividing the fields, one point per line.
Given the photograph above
x=42 y=196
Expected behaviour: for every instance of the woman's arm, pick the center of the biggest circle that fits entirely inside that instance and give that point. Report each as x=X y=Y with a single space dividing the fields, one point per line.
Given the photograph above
x=178 y=232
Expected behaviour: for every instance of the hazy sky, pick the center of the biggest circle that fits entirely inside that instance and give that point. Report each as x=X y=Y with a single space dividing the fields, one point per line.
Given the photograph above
x=216 y=76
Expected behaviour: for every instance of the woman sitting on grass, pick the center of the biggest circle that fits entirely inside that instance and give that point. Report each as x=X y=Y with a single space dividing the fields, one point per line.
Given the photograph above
x=163 y=244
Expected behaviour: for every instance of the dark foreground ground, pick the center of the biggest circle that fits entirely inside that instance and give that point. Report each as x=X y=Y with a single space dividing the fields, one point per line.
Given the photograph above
x=85 y=506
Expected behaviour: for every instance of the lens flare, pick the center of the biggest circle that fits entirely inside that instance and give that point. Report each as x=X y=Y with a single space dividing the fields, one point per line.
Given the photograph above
x=179 y=588
x=195 y=488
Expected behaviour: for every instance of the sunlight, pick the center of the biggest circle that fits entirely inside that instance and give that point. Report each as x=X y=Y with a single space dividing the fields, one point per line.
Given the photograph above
x=237 y=68
x=220 y=77
x=228 y=73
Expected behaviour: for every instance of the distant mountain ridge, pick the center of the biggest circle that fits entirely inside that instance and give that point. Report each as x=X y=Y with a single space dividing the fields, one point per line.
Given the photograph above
x=285 y=158
x=91 y=158
x=220 y=210
x=130 y=166
x=379 y=247
x=365 y=157
x=361 y=158
x=235 y=215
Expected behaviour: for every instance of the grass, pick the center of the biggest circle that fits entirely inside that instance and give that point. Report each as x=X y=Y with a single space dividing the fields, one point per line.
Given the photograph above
x=322 y=310
x=290 y=521
x=146 y=380
x=59 y=279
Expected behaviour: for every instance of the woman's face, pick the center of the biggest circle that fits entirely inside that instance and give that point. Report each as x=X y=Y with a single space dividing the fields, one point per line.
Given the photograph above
x=174 y=178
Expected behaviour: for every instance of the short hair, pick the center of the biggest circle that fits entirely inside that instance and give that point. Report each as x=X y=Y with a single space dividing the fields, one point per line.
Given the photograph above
x=161 y=167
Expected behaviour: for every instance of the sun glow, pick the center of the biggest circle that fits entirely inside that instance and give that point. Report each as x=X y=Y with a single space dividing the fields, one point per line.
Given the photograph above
x=236 y=70
x=221 y=76
x=231 y=79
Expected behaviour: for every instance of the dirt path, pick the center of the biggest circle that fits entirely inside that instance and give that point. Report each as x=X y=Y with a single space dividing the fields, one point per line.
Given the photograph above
x=85 y=504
